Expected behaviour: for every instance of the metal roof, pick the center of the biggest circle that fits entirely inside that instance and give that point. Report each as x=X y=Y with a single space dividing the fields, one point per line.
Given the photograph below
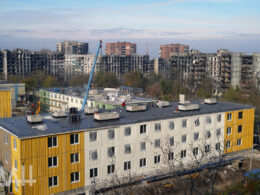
x=19 y=126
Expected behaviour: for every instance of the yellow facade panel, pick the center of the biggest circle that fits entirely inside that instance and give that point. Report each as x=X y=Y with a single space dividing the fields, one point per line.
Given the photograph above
x=240 y=137
x=34 y=152
x=5 y=104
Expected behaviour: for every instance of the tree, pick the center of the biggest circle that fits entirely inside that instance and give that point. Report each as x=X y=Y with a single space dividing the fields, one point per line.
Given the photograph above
x=39 y=76
x=30 y=83
x=50 y=81
x=135 y=79
x=80 y=80
x=106 y=79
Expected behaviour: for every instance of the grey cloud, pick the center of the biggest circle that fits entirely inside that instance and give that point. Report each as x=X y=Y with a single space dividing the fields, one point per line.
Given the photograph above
x=122 y=31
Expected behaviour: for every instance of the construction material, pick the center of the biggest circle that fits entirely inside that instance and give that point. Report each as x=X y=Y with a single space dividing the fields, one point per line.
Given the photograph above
x=59 y=114
x=34 y=119
x=91 y=110
x=210 y=101
x=106 y=116
x=163 y=104
x=136 y=107
x=188 y=107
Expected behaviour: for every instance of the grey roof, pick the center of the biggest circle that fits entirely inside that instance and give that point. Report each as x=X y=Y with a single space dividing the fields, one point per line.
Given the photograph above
x=22 y=129
x=4 y=89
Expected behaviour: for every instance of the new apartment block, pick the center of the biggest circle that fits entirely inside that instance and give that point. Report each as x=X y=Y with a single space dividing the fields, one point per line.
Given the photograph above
x=120 y=48
x=66 y=156
x=72 y=47
x=167 y=50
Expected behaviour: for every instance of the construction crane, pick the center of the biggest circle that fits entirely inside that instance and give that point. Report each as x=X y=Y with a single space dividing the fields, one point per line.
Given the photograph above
x=90 y=77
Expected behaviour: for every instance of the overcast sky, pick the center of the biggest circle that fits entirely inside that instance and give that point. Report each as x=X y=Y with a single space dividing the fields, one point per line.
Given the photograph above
x=206 y=25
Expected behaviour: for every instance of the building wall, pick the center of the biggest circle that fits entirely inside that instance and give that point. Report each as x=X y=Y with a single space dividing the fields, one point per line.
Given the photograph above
x=166 y=50
x=5 y=103
x=5 y=150
x=120 y=48
x=35 y=152
x=246 y=135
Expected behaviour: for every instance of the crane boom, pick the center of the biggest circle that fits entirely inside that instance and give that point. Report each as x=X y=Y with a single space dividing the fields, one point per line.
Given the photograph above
x=90 y=77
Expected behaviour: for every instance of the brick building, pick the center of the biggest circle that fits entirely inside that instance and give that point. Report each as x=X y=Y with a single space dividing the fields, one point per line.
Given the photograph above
x=166 y=50
x=120 y=48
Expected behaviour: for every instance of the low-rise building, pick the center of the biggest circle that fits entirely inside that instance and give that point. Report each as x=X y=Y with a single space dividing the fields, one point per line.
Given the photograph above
x=62 y=156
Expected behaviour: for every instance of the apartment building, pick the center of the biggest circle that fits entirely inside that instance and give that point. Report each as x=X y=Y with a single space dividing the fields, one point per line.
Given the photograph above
x=161 y=66
x=189 y=68
x=167 y=50
x=70 y=157
x=120 y=48
x=122 y=64
x=61 y=99
x=72 y=47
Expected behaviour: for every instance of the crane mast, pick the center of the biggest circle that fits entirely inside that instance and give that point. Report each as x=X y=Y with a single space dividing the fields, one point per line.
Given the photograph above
x=90 y=77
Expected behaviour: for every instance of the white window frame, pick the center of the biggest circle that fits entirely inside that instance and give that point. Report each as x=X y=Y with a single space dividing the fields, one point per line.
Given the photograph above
x=74 y=135
x=52 y=178
x=52 y=161
x=73 y=158
x=74 y=175
x=229 y=130
x=229 y=116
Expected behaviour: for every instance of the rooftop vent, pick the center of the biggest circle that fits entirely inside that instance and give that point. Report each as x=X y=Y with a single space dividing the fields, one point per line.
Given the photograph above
x=182 y=99
x=74 y=116
x=136 y=107
x=163 y=104
x=59 y=114
x=34 y=118
x=210 y=101
x=91 y=110
x=106 y=116
x=188 y=107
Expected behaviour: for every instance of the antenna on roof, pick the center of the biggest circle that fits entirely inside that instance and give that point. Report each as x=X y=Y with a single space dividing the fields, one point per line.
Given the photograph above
x=147 y=49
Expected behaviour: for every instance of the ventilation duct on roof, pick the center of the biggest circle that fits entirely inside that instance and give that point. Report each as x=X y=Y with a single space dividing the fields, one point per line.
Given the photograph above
x=74 y=116
x=210 y=101
x=34 y=118
x=59 y=114
x=136 y=107
x=91 y=110
x=188 y=107
x=106 y=116
x=163 y=104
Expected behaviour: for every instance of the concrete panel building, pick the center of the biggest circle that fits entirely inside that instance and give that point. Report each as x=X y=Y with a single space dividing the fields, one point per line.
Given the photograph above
x=72 y=47
x=70 y=157
x=167 y=50
x=120 y=48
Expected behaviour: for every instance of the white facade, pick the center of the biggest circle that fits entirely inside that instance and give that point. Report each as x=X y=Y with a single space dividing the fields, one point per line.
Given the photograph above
x=103 y=142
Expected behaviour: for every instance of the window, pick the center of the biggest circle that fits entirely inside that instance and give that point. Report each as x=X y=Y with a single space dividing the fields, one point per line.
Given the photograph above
x=6 y=157
x=92 y=136
x=157 y=143
x=6 y=139
x=208 y=120
x=157 y=159
x=196 y=136
x=74 y=177
x=127 y=131
x=15 y=164
x=111 y=134
x=171 y=141
x=52 y=142
x=228 y=145
x=157 y=126
x=74 y=158
x=183 y=153
x=170 y=156
x=71 y=99
x=219 y=118
x=208 y=134
x=142 y=129
x=217 y=146
x=228 y=130
x=207 y=148
x=74 y=138
x=16 y=184
x=15 y=144
x=239 y=128
x=195 y=151
x=142 y=162
x=110 y=151
x=143 y=146
x=52 y=162
x=239 y=142
x=218 y=131
x=93 y=155
x=197 y=122
x=127 y=149
x=240 y=115
x=184 y=123
x=127 y=165
x=171 y=125
x=110 y=169
x=53 y=181
x=229 y=116
x=93 y=172
x=183 y=138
